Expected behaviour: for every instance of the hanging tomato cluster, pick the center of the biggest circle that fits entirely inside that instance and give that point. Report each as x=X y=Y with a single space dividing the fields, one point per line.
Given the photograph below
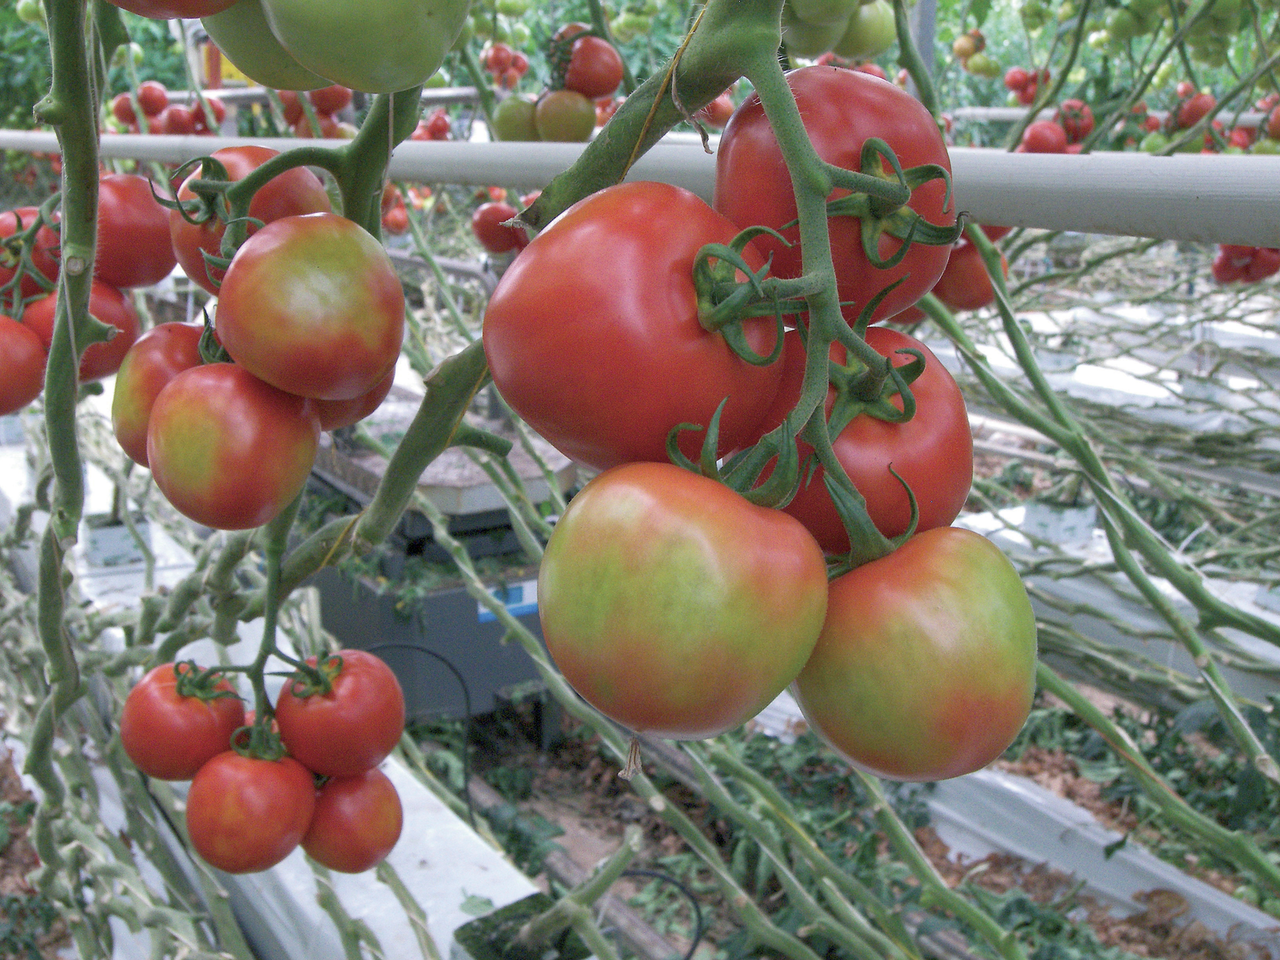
x=586 y=69
x=310 y=314
x=150 y=105
x=305 y=776
x=1240 y=263
x=679 y=598
x=133 y=250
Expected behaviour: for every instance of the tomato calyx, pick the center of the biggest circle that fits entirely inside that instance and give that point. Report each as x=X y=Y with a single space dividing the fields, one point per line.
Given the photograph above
x=314 y=680
x=869 y=389
x=741 y=471
x=879 y=199
x=200 y=682
x=724 y=302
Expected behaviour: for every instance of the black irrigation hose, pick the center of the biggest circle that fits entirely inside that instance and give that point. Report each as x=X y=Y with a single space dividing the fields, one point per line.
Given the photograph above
x=466 y=706
x=698 y=925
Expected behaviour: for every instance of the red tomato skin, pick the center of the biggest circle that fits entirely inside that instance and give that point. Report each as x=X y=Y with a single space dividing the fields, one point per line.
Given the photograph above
x=350 y=729
x=106 y=304
x=155 y=358
x=336 y=414
x=673 y=605
x=334 y=322
x=153 y=97
x=926 y=665
x=22 y=364
x=293 y=192
x=1044 y=136
x=43 y=254
x=246 y=814
x=134 y=249
x=932 y=452
x=965 y=283
x=173 y=9
x=632 y=315
x=330 y=99
x=841 y=108
x=228 y=450
x=356 y=823
x=169 y=736
x=489 y=224
x=595 y=67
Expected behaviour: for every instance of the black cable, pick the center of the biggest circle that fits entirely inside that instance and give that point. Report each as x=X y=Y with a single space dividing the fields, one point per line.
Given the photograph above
x=466 y=706
x=698 y=926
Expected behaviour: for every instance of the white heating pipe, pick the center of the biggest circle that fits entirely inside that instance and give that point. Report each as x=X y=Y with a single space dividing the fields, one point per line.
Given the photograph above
x=1200 y=197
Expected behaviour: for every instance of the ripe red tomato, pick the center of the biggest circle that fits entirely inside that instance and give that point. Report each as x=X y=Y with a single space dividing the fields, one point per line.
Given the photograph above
x=176 y=119
x=43 y=254
x=153 y=96
x=1044 y=136
x=295 y=191
x=227 y=450
x=595 y=67
x=1273 y=124
x=170 y=736
x=173 y=9
x=22 y=363
x=497 y=58
x=841 y=109
x=717 y=113
x=155 y=358
x=1076 y=118
x=107 y=305
x=564 y=116
x=326 y=127
x=1015 y=78
x=965 y=284
x=335 y=414
x=351 y=728
x=291 y=106
x=203 y=121
x=134 y=249
x=489 y=224
x=633 y=314
x=246 y=814
x=673 y=605
x=932 y=452
x=330 y=99
x=356 y=823
x=1194 y=109
x=334 y=322
x=926 y=665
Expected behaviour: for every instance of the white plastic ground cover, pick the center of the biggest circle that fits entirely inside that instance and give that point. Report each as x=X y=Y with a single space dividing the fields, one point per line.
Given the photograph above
x=442 y=862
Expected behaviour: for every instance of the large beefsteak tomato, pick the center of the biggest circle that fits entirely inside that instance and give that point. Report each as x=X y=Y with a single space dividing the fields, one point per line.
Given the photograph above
x=593 y=336
x=675 y=606
x=926 y=665
x=841 y=110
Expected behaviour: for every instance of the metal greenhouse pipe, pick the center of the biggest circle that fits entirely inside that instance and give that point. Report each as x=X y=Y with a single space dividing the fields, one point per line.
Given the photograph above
x=1199 y=197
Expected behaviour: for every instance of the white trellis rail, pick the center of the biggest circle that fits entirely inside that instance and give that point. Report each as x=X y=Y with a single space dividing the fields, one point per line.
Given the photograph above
x=1199 y=197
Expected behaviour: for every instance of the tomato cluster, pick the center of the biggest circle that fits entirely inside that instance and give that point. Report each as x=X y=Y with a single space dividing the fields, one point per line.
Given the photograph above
x=160 y=116
x=1024 y=85
x=230 y=444
x=133 y=250
x=315 y=784
x=327 y=103
x=670 y=599
x=1239 y=263
x=505 y=65
x=586 y=71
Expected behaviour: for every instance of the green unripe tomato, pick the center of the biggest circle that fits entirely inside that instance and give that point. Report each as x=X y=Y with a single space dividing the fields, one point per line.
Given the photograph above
x=871 y=32
x=30 y=11
x=244 y=37
x=513 y=119
x=1154 y=142
x=983 y=65
x=823 y=12
x=808 y=40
